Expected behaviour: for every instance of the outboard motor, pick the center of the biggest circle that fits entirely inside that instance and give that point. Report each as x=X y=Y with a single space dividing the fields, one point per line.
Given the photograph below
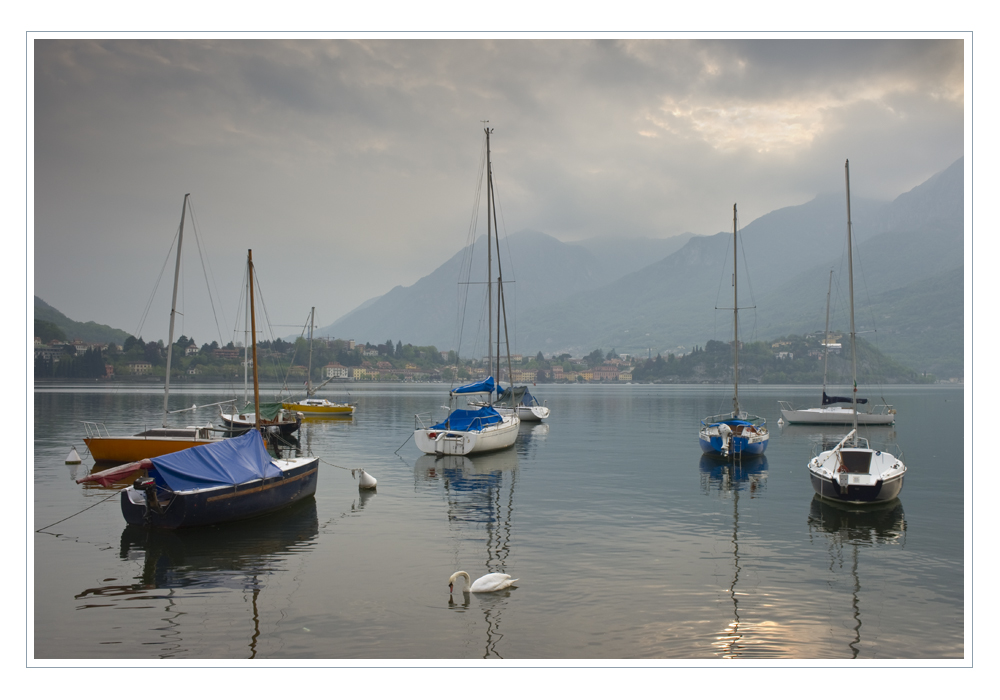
x=726 y=435
x=147 y=485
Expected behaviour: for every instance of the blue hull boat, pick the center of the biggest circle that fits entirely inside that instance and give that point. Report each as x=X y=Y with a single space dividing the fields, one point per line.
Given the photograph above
x=224 y=481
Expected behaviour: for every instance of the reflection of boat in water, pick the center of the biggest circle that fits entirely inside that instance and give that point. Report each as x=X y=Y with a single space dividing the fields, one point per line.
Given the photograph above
x=230 y=556
x=856 y=526
x=749 y=473
x=731 y=478
x=205 y=556
x=530 y=437
x=479 y=492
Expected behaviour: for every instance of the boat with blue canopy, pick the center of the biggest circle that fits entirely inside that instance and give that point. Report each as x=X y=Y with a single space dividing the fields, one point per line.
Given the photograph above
x=231 y=479
x=468 y=430
x=480 y=427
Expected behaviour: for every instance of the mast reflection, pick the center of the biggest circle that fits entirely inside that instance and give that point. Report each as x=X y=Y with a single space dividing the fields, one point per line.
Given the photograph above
x=856 y=526
x=739 y=474
x=236 y=555
x=479 y=492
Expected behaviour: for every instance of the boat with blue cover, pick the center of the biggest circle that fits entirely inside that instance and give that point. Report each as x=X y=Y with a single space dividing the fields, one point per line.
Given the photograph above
x=229 y=480
x=480 y=427
x=232 y=479
x=468 y=430
x=736 y=433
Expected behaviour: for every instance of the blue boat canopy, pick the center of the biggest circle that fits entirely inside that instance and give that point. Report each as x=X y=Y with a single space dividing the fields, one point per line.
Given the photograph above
x=464 y=420
x=484 y=387
x=224 y=463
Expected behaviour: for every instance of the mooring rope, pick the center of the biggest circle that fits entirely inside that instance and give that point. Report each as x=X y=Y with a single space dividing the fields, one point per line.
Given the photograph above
x=77 y=513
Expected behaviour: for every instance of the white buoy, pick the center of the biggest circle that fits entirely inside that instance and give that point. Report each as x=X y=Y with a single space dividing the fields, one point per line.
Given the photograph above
x=73 y=457
x=366 y=480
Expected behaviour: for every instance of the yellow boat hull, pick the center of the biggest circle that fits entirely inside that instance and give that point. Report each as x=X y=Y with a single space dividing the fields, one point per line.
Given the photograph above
x=313 y=411
x=134 y=447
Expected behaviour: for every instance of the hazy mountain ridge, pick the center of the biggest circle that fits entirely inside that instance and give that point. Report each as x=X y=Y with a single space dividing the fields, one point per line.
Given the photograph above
x=908 y=271
x=89 y=331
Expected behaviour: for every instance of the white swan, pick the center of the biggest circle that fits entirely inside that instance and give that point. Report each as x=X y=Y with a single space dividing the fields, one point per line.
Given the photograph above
x=486 y=584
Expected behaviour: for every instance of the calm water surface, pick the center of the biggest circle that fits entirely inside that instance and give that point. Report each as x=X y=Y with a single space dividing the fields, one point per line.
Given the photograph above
x=628 y=543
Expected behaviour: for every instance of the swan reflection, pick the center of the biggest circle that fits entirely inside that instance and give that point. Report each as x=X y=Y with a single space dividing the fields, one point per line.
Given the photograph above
x=479 y=497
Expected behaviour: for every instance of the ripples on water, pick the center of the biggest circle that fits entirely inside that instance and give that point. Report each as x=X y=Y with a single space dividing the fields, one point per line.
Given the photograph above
x=628 y=542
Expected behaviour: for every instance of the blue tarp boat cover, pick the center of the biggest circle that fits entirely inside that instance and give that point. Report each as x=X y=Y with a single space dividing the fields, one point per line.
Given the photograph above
x=464 y=420
x=484 y=387
x=224 y=463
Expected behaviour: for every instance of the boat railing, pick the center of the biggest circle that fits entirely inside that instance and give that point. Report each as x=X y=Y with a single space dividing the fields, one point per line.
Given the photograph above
x=95 y=429
x=755 y=421
x=418 y=421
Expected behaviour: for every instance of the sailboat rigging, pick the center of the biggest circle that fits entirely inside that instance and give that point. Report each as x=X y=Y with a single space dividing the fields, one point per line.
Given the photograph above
x=736 y=433
x=153 y=442
x=482 y=428
x=853 y=471
x=230 y=479
x=880 y=414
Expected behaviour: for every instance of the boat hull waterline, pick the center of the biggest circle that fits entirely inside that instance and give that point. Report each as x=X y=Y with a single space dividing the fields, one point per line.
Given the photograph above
x=434 y=441
x=322 y=407
x=882 y=481
x=226 y=503
x=834 y=415
x=736 y=436
x=137 y=447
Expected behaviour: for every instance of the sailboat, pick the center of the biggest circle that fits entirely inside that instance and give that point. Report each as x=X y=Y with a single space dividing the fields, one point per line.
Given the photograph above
x=274 y=418
x=736 y=433
x=482 y=428
x=852 y=471
x=828 y=413
x=227 y=480
x=153 y=442
x=310 y=405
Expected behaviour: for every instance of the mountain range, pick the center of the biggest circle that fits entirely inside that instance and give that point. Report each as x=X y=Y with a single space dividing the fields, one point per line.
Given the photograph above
x=645 y=297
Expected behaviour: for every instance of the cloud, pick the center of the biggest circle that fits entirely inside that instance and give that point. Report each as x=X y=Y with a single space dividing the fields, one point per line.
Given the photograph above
x=351 y=166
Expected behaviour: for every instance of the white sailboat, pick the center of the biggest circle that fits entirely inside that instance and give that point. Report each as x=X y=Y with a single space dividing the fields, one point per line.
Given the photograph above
x=853 y=471
x=736 y=433
x=478 y=428
x=828 y=413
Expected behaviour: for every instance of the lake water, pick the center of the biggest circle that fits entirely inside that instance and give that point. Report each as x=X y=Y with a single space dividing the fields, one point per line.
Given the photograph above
x=628 y=543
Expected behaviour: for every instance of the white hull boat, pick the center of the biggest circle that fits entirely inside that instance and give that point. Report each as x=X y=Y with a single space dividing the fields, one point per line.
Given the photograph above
x=853 y=472
x=439 y=440
x=836 y=415
x=481 y=427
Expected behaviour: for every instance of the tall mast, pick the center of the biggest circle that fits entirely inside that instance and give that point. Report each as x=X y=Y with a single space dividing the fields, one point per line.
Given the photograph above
x=253 y=340
x=736 y=331
x=312 y=318
x=850 y=279
x=489 y=261
x=173 y=310
x=246 y=351
x=826 y=333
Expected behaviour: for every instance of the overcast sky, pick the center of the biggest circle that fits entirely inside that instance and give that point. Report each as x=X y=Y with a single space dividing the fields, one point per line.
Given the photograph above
x=350 y=167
